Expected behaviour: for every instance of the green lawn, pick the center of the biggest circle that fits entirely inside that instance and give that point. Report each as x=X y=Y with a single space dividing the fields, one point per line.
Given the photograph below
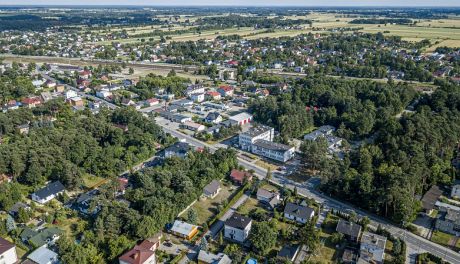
x=91 y=181
x=250 y=205
x=207 y=208
x=441 y=237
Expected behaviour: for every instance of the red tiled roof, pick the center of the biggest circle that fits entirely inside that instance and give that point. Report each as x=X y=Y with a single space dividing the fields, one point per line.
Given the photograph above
x=226 y=88
x=239 y=176
x=137 y=255
x=31 y=100
x=213 y=94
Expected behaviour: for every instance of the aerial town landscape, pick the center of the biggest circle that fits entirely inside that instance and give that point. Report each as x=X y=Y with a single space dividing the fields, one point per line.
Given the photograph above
x=229 y=134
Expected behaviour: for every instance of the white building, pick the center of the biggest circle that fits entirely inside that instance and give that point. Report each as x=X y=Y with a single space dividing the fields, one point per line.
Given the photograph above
x=272 y=150
x=103 y=94
x=455 y=191
x=48 y=193
x=198 y=98
x=241 y=118
x=43 y=255
x=298 y=213
x=372 y=249
x=8 y=253
x=70 y=94
x=261 y=132
x=237 y=228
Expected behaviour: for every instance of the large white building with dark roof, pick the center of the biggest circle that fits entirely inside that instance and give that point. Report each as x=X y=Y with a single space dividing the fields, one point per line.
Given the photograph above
x=237 y=228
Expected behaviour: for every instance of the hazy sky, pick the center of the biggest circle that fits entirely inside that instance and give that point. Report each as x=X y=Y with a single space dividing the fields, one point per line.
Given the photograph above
x=239 y=2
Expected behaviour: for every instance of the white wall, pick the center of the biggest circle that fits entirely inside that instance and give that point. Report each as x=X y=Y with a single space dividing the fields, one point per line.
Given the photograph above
x=9 y=256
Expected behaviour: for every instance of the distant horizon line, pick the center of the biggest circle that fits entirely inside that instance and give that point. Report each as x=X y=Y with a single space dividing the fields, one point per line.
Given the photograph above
x=236 y=6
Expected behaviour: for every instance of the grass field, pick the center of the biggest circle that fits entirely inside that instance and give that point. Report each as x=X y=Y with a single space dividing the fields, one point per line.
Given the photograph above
x=91 y=181
x=441 y=238
x=206 y=208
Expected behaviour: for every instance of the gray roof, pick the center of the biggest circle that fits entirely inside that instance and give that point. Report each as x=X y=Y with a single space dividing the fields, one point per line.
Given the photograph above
x=289 y=251
x=258 y=130
x=348 y=228
x=212 y=116
x=238 y=221
x=210 y=258
x=373 y=239
x=15 y=208
x=50 y=189
x=278 y=147
x=42 y=255
x=212 y=187
x=298 y=210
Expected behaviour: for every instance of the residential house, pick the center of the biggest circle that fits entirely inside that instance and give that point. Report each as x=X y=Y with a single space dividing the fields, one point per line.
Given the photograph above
x=205 y=257
x=298 y=213
x=213 y=95
x=197 y=98
x=8 y=253
x=127 y=102
x=240 y=177
x=213 y=118
x=268 y=198
x=430 y=197
x=104 y=94
x=139 y=254
x=448 y=218
x=70 y=94
x=237 y=228
x=46 y=96
x=212 y=189
x=289 y=252
x=216 y=106
x=43 y=255
x=14 y=210
x=31 y=102
x=50 y=84
x=276 y=151
x=84 y=203
x=151 y=102
x=226 y=91
x=49 y=192
x=184 y=230
x=23 y=129
x=76 y=101
x=59 y=88
x=183 y=103
x=179 y=149
x=372 y=249
x=193 y=126
x=47 y=236
x=194 y=89
x=248 y=138
x=241 y=118
x=350 y=230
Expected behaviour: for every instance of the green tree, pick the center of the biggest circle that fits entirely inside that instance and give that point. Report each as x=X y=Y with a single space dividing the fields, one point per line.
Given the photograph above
x=263 y=237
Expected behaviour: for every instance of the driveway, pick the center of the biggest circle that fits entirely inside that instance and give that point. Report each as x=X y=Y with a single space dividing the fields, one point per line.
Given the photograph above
x=219 y=224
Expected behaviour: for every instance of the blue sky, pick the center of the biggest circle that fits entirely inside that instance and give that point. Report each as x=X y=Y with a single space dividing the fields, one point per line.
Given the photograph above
x=436 y=3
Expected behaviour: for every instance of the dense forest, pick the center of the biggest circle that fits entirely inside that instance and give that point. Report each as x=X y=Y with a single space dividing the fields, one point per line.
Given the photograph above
x=407 y=157
x=398 y=21
x=63 y=145
x=157 y=196
x=357 y=108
